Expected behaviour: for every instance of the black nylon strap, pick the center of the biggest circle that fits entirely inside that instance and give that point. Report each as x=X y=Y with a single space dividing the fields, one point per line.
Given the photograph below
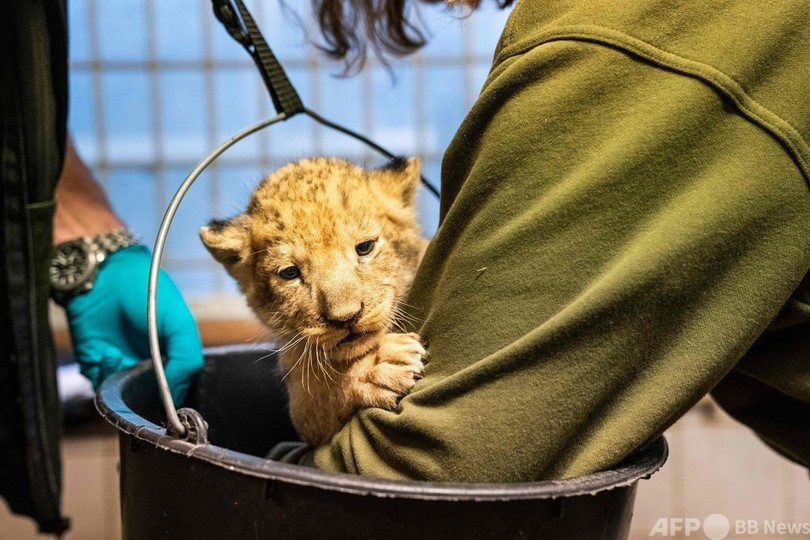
x=240 y=25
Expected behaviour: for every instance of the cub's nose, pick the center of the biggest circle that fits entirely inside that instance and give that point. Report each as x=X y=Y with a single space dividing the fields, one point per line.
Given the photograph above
x=343 y=316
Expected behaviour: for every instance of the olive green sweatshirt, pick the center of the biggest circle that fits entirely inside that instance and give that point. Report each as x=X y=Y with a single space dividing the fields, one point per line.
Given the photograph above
x=625 y=227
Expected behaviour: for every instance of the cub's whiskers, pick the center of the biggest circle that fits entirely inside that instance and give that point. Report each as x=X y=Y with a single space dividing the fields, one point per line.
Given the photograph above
x=324 y=363
x=292 y=342
x=307 y=367
x=401 y=319
x=295 y=365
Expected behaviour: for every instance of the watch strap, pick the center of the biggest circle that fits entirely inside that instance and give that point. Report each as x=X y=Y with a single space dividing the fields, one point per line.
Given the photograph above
x=112 y=241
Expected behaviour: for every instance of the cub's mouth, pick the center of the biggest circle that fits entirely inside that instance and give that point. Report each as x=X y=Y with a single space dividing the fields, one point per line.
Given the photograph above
x=354 y=336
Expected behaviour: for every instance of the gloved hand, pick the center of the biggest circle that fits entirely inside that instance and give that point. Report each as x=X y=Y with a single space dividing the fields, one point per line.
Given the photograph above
x=108 y=323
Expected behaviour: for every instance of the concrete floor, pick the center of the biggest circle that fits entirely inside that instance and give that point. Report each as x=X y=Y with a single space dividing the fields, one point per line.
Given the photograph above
x=90 y=481
x=716 y=466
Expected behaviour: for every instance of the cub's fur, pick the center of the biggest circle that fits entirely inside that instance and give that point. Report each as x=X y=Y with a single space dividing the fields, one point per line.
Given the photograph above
x=324 y=254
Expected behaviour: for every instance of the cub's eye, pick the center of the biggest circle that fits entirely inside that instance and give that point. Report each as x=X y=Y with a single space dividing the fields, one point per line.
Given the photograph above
x=364 y=248
x=291 y=272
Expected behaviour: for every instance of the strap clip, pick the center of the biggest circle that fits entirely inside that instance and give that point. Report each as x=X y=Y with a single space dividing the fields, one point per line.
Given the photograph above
x=226 y=12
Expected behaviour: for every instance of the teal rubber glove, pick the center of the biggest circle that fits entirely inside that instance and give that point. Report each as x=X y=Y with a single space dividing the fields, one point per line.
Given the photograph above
x=108 y=323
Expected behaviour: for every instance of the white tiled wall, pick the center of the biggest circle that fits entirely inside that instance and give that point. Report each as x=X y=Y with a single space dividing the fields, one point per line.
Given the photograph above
x=717 y=466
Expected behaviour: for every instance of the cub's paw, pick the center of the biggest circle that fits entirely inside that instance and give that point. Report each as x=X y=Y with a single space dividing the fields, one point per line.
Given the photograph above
x=400 y=362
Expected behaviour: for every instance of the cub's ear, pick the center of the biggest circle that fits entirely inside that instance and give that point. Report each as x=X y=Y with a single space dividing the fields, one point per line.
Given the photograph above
x=400 y=178
x=226 y=240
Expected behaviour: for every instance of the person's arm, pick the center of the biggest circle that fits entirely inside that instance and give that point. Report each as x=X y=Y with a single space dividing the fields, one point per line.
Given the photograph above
x=615 y=236
x=108 y=323
x=82 y=209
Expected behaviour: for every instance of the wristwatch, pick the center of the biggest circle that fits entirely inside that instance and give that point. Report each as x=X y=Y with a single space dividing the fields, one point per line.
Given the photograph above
x=75 y=263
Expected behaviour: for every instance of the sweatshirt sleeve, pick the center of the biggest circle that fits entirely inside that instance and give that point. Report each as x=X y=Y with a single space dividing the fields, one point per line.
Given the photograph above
x=614 y=237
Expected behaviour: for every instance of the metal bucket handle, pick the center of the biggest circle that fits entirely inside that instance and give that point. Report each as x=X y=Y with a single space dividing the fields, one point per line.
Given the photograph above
x=240 y=25
x=192 y=418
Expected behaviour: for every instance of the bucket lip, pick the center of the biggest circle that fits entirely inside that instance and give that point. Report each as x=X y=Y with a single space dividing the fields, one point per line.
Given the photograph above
x=109 y=402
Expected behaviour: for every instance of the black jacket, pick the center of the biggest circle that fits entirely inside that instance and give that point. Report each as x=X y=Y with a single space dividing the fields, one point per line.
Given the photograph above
x=33 y=101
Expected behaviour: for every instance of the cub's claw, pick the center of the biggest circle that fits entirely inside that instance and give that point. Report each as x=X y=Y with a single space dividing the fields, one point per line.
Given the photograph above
x=400 y=363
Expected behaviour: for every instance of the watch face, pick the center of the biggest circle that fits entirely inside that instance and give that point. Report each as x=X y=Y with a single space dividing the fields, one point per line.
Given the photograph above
x=72 y=266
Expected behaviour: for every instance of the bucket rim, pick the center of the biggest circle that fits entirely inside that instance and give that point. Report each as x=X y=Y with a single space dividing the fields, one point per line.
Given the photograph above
x=110 y=404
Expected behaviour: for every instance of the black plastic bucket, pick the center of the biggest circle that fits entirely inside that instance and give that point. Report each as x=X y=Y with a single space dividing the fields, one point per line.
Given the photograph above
x=225 y=490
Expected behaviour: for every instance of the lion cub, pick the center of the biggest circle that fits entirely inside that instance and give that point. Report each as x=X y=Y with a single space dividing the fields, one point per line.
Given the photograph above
x=324 y=254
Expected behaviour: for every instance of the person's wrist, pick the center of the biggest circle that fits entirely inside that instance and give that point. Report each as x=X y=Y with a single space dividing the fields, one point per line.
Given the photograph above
x=82 y=208
x=93 y=223
x=76 y=263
